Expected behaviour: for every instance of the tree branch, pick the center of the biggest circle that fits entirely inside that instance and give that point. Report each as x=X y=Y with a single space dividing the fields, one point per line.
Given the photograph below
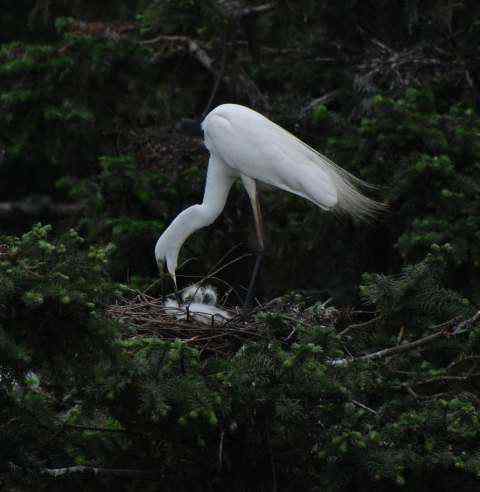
x=259 y=9
x=82 y=428
x=240 y=83
x=40 y=207
x=354 y=326
x=361 y=405
x=407 y=347
x=325 y=99
x=235 y=9
x=80 y=471
x=193 y=47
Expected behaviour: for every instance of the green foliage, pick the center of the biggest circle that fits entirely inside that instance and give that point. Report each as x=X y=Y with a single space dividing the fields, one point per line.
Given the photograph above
x=87 y=114
x=278 y=402
x=56 y=106
x=52 y=295
x=425 y=158
x=182 y=17
x=130 y=205
x=320 y=113
x=432 y=157
x=55 y=339
x=416 y=297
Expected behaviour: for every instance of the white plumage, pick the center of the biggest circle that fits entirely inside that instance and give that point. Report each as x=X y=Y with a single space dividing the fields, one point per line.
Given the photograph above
x=244 y=144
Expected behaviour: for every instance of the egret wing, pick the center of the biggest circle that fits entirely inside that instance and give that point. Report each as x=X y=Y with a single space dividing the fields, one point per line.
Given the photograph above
x=262 y=150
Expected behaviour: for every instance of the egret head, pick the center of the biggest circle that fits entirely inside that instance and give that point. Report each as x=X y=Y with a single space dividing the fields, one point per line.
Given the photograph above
x=190 y=127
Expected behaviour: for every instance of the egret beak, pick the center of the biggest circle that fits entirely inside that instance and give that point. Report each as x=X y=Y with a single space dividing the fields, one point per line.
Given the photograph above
x=178 y=297
x=162 y=266
x=174 y=278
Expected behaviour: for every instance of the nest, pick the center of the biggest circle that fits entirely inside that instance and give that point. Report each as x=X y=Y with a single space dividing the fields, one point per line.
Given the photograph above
x=146 y=316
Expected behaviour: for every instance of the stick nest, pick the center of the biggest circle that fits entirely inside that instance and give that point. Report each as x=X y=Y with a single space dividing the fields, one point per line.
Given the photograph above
x=146 y=316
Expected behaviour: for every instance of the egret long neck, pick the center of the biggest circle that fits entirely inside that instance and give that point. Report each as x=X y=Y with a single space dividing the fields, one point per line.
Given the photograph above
x=219 y=181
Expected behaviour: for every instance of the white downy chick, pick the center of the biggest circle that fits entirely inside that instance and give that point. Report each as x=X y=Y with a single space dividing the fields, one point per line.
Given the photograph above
x=200 y=304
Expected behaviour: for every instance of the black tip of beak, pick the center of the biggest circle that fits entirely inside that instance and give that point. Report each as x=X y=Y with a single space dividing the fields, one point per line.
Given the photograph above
x=178 y=297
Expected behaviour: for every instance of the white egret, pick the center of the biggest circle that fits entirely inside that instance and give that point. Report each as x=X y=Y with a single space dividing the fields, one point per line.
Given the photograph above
x=245 y=144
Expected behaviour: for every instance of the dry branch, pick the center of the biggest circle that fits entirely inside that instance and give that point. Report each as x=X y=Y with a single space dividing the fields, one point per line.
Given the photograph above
x=355 y=326
x=325 y=99
x=407 y=347
x=41 y=207
x=239 y=84
x=234 y=9
x=193 y=47
x=259 y=9
x=83 y=472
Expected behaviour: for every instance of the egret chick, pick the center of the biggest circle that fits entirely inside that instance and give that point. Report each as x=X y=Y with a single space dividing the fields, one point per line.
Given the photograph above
x=199 y=303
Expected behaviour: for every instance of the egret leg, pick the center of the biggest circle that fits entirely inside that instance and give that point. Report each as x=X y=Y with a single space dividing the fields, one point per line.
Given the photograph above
x=251 y=285
x=251 y=188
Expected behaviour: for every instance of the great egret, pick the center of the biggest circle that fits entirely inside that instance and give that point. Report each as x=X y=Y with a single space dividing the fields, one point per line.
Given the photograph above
x=245 y=144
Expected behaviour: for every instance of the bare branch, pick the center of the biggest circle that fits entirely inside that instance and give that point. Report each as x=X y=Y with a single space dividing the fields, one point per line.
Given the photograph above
x=42 y=206
x=407 y=347
x=96 y=429
x=354 y=326
x=193 y=47
x=259 y=9
x=219 y=75
x=466 y=325
x=240 y=83
x=84 y=472
x=234 y=9
x=361 y=405
x=325 y=99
